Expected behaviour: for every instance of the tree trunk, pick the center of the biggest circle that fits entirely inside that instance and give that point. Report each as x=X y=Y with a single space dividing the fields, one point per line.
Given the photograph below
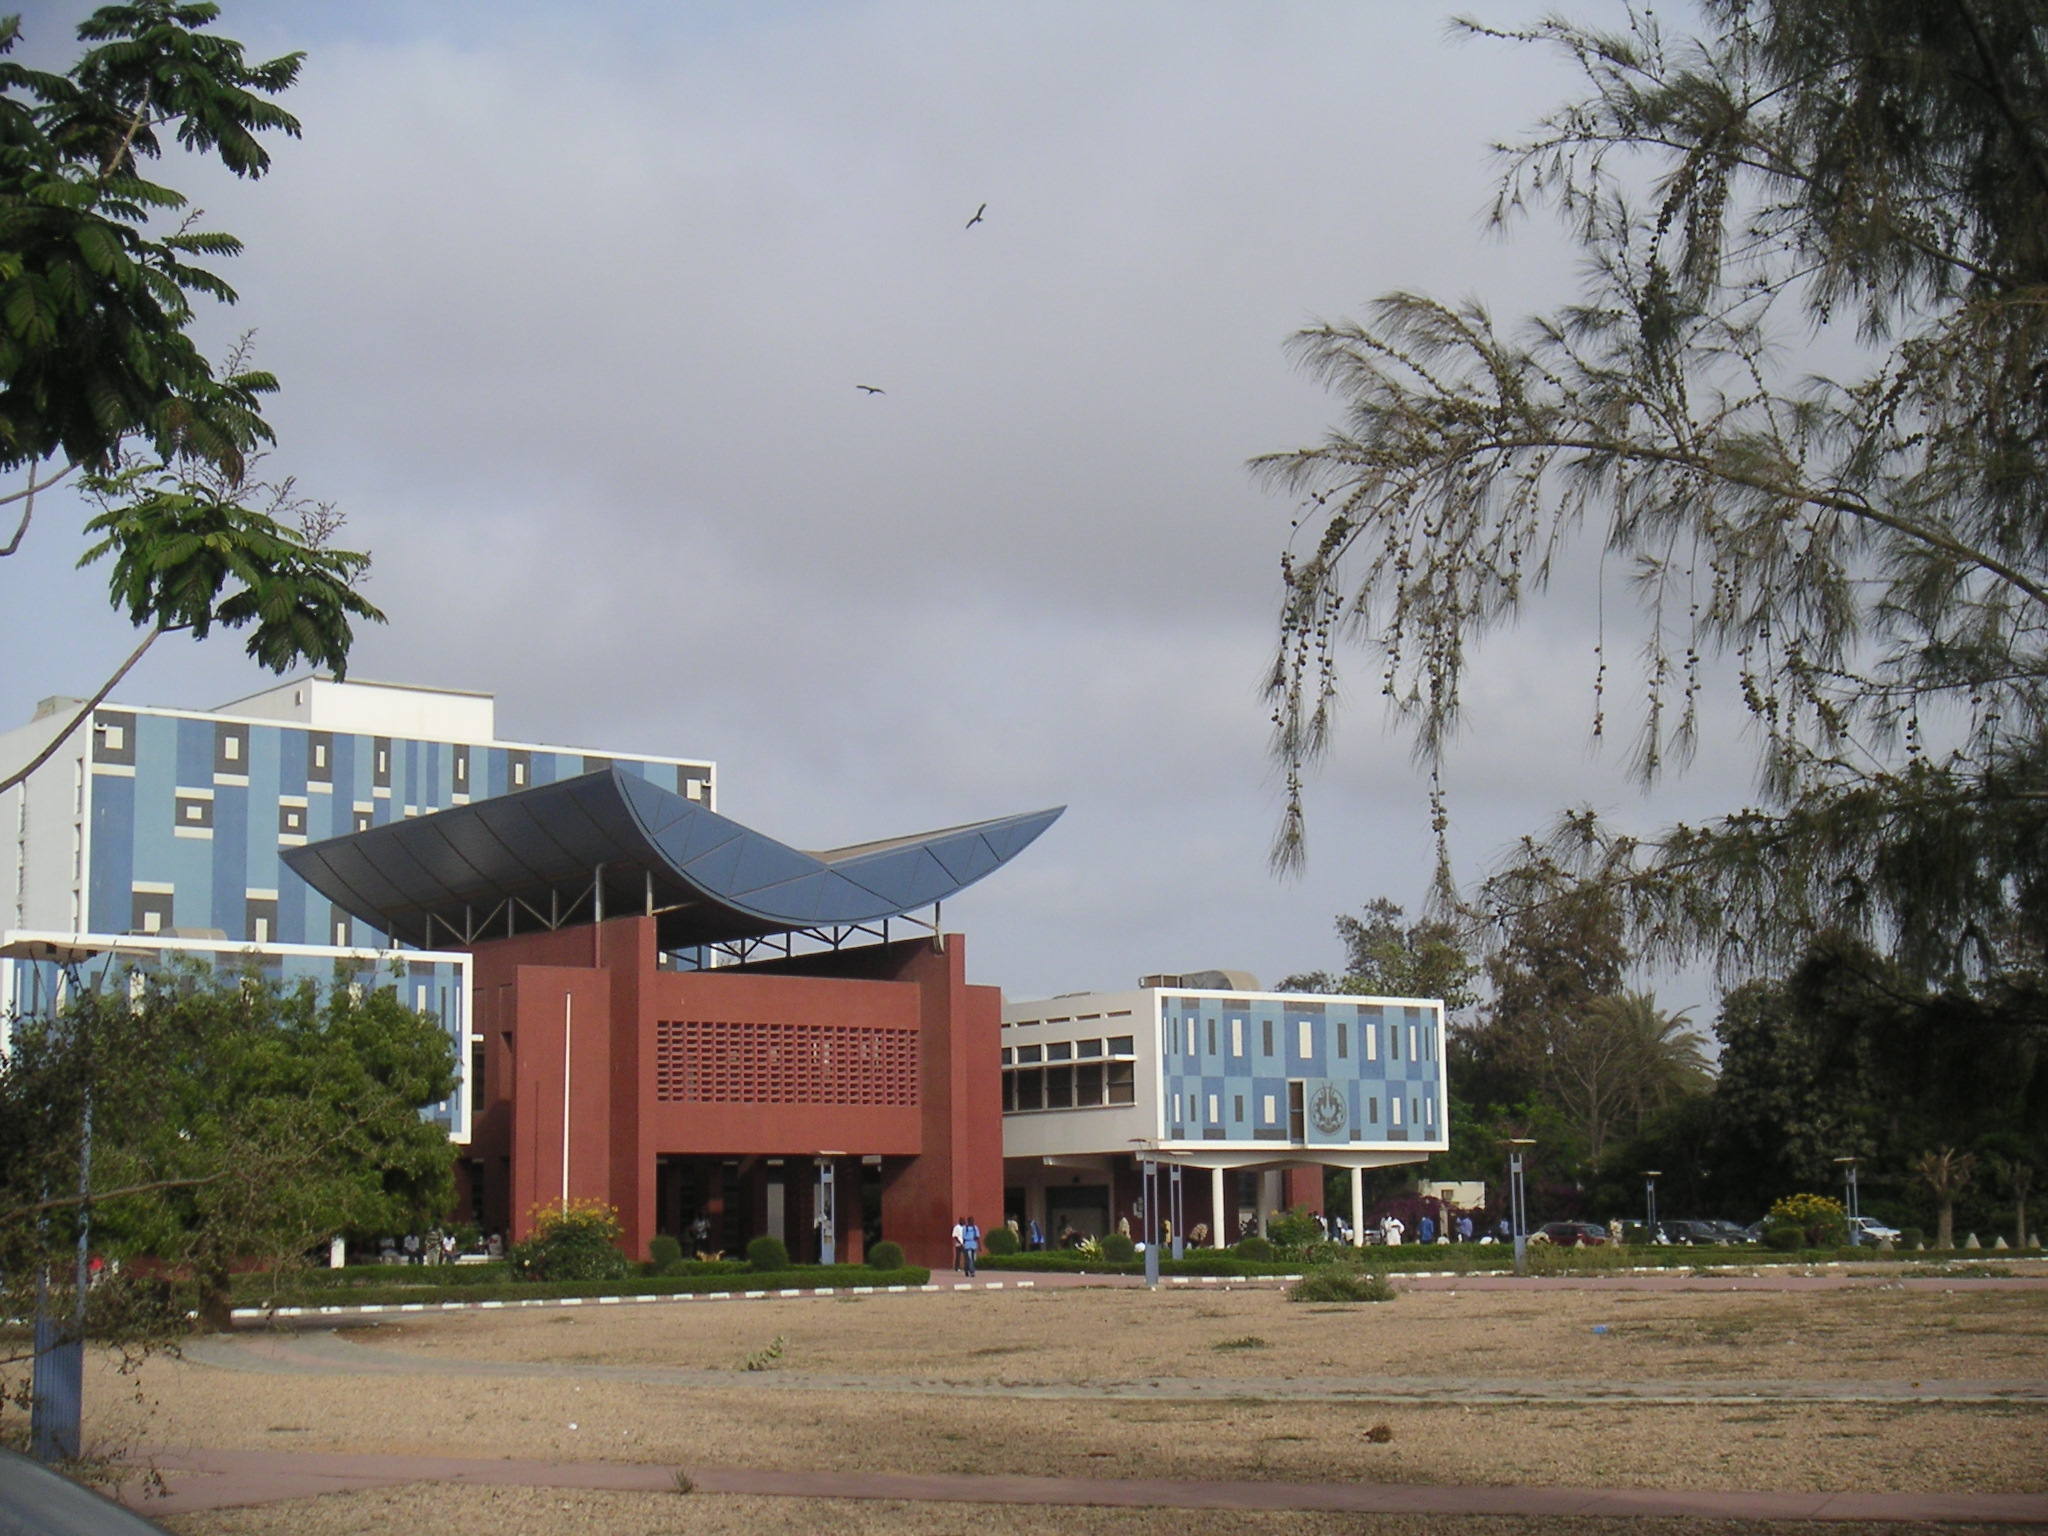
x=1944 y=1222
x=216 y=1299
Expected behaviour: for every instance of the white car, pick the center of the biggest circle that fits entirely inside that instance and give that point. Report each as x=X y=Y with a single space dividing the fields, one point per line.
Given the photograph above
x=1870 y=1229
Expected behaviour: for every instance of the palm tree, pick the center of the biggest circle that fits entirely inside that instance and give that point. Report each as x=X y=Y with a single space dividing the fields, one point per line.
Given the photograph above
x=2017 y=1176
x=1946 y=1174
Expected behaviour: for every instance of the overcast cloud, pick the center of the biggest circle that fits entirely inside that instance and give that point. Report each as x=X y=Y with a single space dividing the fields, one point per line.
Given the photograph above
x=570 y=305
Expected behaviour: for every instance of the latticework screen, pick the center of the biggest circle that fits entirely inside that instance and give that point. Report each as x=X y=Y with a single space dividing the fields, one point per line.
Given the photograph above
x=700 y=1062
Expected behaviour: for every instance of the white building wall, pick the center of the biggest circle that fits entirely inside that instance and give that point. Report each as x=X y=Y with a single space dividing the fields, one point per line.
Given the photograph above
x=43 y=822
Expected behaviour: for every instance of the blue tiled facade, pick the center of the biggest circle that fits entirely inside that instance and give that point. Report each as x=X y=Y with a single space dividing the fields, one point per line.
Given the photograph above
x=188 y=815
x=1366 y=1071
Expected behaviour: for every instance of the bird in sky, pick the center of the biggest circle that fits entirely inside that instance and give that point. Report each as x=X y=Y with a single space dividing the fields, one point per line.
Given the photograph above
x=977 y=215
x=870 y=389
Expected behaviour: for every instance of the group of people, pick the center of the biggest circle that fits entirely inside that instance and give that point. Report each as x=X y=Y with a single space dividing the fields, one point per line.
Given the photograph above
x=966 y=1245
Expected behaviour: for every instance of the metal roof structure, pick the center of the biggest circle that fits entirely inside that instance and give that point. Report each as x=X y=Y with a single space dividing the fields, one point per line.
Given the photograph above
x=613 y=843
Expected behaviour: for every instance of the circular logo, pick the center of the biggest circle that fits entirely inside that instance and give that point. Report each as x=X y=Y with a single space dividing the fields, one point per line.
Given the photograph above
x=1328 y=1110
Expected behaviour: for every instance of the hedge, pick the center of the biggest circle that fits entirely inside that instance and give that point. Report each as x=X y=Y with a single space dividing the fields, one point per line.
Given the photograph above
x=736 y=1280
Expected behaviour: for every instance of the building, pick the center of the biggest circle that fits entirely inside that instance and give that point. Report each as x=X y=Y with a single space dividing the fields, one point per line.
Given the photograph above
x=653 y=1005
x=1251 y=1095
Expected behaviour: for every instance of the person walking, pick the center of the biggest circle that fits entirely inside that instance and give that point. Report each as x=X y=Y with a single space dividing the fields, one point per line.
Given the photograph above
x=970 y=1242
x=1034 y=1235
x=959 y=1228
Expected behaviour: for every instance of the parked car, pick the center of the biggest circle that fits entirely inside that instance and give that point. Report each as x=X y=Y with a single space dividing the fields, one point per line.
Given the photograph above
x=1574 y=1234
x=1868 y=1229
x=1732 y=1232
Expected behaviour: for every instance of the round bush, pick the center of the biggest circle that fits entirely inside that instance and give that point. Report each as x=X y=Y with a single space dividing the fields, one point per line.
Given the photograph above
x=1822 y=1222
x=768 y=1254
x=1295 y=1229
x=663 y=1252
x=1255 y=1248
x=1784 y=1239
x=1000 y=1241
x=1118 y=1249
x=578 y=1241
x=885 y=1255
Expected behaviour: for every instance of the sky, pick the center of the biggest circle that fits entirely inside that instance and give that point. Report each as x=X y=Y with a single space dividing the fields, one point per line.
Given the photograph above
x=571 y=304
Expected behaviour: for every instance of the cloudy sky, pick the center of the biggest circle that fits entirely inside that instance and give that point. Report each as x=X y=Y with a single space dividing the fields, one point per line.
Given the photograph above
x=570 y=304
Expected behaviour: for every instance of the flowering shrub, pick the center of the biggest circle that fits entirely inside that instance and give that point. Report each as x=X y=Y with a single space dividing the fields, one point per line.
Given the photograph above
x=1819 y=1221
x=578 y=1240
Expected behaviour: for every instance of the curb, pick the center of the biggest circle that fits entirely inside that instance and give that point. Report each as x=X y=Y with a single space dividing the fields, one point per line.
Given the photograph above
x=366 y=1308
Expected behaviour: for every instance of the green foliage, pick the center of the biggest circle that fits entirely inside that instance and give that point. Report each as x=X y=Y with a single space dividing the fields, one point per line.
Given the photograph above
x=234 y=1122
x=1255 y=1248
x=1118 y=1249
x=999 y=1241
x=1389 y=957
x=1863 y=559
x=1784 y=1239
x=663 y=1253
x=1911 y=1238
x=769 y=1358
x=768 y=1253
x=578 y=1240
x=885 y=1255
x=1341 y=1285
x=1819 y=1221
x=1293 y=1229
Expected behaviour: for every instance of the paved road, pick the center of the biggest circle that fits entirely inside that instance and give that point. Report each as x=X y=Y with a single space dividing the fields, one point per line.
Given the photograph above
x=326 y=1352
x=200 y=1480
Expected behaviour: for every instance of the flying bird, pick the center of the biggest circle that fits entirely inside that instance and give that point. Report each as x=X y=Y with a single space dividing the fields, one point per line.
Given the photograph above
x=870 y=389
x=977 y=215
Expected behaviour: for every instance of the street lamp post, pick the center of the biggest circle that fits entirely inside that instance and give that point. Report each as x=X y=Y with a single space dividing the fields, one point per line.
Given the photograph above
x=1518 y=1210
x=1852 y=1194
x=1148 y=1174
x=1650 y=1178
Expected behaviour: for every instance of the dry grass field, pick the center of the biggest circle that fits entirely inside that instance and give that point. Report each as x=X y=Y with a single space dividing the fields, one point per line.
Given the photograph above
x=1061 y=1382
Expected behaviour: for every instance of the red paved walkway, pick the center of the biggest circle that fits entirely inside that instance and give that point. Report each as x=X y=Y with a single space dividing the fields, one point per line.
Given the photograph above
x=201 y=1480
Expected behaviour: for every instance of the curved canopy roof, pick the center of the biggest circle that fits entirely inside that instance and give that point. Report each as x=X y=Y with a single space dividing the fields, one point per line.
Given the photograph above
x=711 y=880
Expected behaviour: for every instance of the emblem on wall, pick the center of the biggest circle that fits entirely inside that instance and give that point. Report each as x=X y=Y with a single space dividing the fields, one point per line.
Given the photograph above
x=1328 y=1110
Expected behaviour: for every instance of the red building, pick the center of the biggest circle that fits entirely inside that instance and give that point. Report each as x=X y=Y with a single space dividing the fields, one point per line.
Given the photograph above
x=830 y=1097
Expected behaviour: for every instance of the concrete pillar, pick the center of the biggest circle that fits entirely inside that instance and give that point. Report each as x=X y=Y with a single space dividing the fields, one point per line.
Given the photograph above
x=1267 y=1178
x=1217 y=1238
x=1358 y=1207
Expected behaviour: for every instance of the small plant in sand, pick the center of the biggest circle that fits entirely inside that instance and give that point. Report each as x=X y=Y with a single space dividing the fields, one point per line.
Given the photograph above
x=767 y=1359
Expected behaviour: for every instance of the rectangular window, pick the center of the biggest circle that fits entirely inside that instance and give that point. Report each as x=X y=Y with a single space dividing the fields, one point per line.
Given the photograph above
x=1394 y=1110
x=194 y=812
x=1308 y=1040
x=1009 y=1092
x=1191 y=1037
x=1212 y=1037
x=1031 y=1089
x=459 y=757
x=1429 y=1111
x=1268 y=1106
x=230 y=749
x=1059 y=1087
x=150 y=911
x=1237 y=1037
x=113 y=737
x=1214 y=1118
x=365 y=818
x=1123 y=1084
x=1372 y=1111
x=1087 y=1047
x=1266 y=1035
x=1059 y=1050
x=1237 y=1105
x=1297 y=1112
x=1009 y=1056
x=380 y=762
x=291 y=820
x=1343 y=1041
x=341 y=928
x=1030 y=1053
x=1393 y=1042
x=1088 y=1084
x=519 y=768
x=1369 y=1037
x=1411 y=1042
x=1414 y=1112
x=1122 y=1045
x=259 y=922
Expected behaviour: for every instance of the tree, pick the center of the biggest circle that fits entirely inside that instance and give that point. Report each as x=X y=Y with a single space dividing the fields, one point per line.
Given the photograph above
x=1388 y=957
x=2017 y=1175
x=233 y=1122
x=99 y=373
x=1946 y=1174
x=1863 y=558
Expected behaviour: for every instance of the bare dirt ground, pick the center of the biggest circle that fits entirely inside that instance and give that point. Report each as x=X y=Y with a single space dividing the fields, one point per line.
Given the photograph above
x=561 y=1384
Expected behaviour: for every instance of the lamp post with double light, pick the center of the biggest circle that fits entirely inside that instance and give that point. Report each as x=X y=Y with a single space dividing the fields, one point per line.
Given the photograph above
x=1518 y=1208
x=1650 y=1178
x=1852 y=1202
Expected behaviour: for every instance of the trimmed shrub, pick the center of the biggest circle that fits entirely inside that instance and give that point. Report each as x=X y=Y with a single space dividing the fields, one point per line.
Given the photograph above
x=1822 y=1222
x=1118 y=1249
x=999 y=1241
x=1342 y=1285
x=663 y=1252
x=577 y=1241
x=1784 y=1239
x=1911 y=1238
x=1293 y=1229
x=768 y=1254
x=885 y=1255
x=1255 y=1248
